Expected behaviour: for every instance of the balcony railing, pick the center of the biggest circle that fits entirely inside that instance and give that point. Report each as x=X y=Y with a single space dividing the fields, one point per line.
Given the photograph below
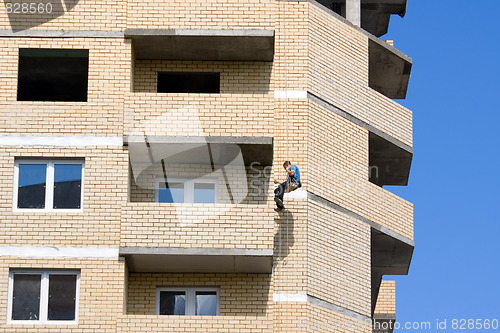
x=194 y=324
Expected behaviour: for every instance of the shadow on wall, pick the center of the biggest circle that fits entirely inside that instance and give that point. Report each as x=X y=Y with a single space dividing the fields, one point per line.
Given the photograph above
x=284 y=239
x=26 y=15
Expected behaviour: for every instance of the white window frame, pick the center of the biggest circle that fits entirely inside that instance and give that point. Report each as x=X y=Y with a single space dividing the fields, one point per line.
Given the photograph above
x=44 y=297
x=49 y=185
x=190 y=298
x=188 y=187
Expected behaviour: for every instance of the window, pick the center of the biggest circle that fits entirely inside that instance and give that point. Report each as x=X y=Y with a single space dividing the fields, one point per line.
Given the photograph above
x=188 y=82
x=186 y=191
x=43 y=296
x=48 y=185
x=187 y=301
x=53 y=75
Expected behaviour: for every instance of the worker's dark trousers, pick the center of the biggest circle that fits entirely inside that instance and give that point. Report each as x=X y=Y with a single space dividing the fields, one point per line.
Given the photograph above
x=280 y=191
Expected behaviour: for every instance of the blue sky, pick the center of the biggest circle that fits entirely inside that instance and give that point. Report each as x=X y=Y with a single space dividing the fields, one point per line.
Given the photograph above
x=455 y=177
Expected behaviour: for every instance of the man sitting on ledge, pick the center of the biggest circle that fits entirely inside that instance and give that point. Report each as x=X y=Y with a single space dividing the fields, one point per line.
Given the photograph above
x=292 y=183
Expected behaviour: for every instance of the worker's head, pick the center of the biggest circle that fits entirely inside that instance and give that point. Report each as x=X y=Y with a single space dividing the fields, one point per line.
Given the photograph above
x=286 y=164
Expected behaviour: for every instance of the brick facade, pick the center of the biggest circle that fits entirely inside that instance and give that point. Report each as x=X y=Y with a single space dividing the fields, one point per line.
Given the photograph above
x=321 y=247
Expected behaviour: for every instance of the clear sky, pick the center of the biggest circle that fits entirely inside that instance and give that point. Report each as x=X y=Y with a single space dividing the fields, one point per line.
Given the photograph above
x=454 y=183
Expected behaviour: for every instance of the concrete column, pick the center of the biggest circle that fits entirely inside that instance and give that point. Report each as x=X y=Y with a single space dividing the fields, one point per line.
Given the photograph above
x=353 y=11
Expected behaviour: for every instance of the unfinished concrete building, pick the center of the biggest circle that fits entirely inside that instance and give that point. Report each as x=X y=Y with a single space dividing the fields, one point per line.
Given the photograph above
x=139 y=146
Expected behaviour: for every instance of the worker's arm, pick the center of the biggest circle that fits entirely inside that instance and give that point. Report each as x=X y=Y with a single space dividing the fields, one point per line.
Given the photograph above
x=290 y=172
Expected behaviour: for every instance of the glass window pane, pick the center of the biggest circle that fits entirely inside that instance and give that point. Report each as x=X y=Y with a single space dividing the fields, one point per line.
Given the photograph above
x=204 y=193
x=172 y=303
x=31 y=189
x=206 y=303
x=67 y=185
x=26 y=297
x=62 y=297
x=172 y=192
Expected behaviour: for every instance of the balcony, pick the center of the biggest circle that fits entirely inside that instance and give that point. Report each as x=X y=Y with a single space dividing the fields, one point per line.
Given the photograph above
x=377 y=70
x=198 y=206
x=230 y=115
x=194 y=324
x=389 y=160
x=203 y=44
x=391 y=254
x=375 y=14
x=162 y=237
x=389 y=69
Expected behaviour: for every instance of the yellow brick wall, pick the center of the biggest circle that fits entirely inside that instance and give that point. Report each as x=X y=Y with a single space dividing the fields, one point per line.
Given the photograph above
x=240 y=294
x=105 y=190
x=386 y=301
x=293 y=317
x=291 y=46
x=102 y=114
x=339 y=268
x=338 y=171
x=197 y=225
x=290 y=267
x=199 y=114
x=194 y=324
x=236 y=77
x=101 y=293
x=338 y=72
x=210 y=14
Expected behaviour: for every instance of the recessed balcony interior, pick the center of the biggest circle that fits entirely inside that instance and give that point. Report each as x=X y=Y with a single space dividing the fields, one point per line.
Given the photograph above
x=388 y=69
x=200 y=169
x=375 y=14
x=390 y=255
x=203 y=44
x=389 y=161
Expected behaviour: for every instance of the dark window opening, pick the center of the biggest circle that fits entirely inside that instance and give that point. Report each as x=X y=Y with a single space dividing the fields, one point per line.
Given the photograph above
x=338 y=6
x=53 y=75
x=173 y=303
x=189 y=82
x=26 y=297
x=62 y=297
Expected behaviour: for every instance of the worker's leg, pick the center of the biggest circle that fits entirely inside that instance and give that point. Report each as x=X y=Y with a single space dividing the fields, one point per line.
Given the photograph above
x=278 y=194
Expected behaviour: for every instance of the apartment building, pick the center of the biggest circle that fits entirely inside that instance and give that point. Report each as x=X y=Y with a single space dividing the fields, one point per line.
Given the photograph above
x=139 y=145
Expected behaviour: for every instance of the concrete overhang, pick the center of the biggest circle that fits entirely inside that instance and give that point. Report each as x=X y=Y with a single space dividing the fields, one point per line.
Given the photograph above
x=382 y=322
x=203 y=44
x=388 y=69
x=197 y=260
x=390 y=255
x=376 y=14
x=193 y=149
x=389 y=160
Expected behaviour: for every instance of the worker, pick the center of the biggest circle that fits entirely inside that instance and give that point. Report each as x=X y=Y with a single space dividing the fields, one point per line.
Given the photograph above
x=292 y=183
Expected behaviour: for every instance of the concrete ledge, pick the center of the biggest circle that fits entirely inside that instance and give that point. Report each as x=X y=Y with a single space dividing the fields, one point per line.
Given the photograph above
x=194 y=149
x=203 y=44
x=200 y=139
x=62 y=33
x=197 y=260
